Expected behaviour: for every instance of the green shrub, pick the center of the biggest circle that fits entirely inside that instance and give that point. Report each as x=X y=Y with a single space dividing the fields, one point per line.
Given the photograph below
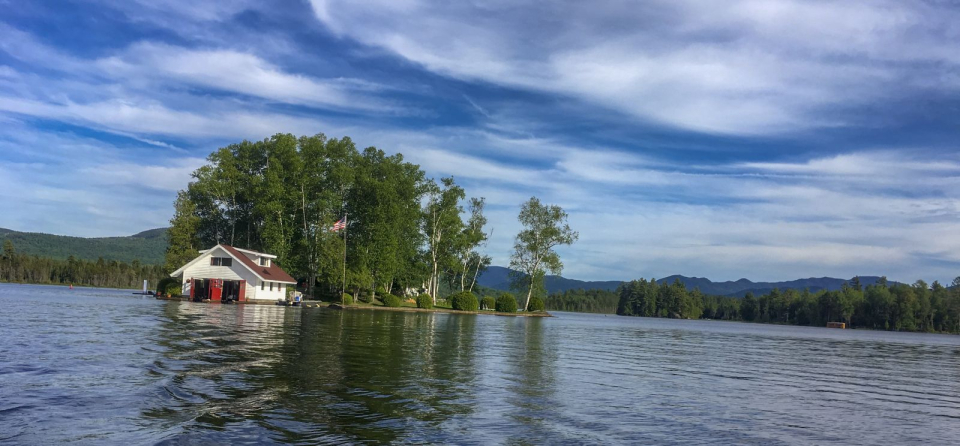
x=173 y=288
x=506 y=303
x=347 y=299
x=464 y=301
x=389 y=300
x=536 y=304
x=381 y=291
x=364 y=297
x=487 y=303
x=424 y=301
x=165 y=283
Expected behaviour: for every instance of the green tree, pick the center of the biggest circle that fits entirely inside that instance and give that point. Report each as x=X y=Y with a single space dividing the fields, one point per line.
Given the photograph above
x=748 y=307
x=8 y=250
x=386 y=231
x=184 y=243
x=442 y=223
x=544 y=227
x=470 y=262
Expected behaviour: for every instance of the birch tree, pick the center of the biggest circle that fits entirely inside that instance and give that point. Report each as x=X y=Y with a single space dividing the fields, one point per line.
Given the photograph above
x=469 y=261
x=442 y=223
x=544 y=227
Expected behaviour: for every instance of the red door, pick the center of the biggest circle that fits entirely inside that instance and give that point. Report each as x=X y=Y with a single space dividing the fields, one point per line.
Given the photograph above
x=243 y=291
x=216 y=289
x=193 y=286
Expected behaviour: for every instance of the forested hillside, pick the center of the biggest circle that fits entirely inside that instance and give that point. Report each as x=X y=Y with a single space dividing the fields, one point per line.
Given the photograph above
x=22 y=268
x=147 y=247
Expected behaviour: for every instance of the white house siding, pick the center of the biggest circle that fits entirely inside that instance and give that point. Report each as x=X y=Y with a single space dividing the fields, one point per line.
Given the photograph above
x=279 y=291
x=203 y=270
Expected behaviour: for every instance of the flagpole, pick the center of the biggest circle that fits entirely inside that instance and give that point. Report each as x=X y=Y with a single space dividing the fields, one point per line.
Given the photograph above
x=343 y=288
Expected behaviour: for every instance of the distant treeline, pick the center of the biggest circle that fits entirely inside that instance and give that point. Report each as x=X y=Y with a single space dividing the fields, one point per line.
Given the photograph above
x=584 y=301
x=916 y=307
x=22 y=268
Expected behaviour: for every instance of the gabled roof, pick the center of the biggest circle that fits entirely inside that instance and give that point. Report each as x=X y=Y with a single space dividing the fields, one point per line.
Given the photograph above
x=272 y=273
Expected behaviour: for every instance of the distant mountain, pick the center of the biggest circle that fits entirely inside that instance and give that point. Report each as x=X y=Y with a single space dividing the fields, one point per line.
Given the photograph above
x=148 y=246
x=497 y=277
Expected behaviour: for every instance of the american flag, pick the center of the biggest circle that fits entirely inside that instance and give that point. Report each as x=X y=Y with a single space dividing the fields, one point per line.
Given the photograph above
x=340 y=224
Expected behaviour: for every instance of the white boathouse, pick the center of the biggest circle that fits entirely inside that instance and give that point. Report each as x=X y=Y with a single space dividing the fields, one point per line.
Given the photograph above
x=226 y=273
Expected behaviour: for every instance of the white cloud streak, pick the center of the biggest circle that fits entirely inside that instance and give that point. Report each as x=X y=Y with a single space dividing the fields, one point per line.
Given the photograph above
x=740 y=67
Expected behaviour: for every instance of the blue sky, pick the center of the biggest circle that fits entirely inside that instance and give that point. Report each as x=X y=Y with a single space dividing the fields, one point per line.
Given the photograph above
x=763 y=139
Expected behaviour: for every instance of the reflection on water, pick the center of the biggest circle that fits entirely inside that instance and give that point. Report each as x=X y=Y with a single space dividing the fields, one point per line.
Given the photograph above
x=102 y=366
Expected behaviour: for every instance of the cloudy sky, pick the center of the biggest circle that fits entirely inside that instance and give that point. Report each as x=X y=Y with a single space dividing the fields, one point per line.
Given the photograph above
x=764 y=139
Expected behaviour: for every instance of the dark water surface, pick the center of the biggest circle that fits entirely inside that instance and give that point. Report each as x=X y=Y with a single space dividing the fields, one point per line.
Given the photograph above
x=93 y=366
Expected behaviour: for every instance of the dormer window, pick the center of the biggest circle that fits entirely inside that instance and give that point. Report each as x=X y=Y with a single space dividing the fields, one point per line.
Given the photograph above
x=265 y=262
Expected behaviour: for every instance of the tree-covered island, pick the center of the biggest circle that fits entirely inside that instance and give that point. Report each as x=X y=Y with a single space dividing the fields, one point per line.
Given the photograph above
x=403 y=233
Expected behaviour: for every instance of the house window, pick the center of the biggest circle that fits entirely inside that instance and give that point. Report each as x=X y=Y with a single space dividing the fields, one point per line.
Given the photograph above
x=221 y=261
x=271 y=286
x=262 y=284
x=264 y=261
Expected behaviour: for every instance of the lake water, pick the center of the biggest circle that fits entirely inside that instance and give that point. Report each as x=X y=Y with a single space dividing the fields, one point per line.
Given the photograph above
x=94 y=366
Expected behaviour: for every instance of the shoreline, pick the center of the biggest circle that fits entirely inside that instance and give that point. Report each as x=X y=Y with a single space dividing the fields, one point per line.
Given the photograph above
x=336 y=306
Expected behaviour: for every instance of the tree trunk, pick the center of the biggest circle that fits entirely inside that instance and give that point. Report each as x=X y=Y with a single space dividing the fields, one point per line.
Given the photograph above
x=526 y=306
x=533 y=276
x=476 y=273
x=434 y=282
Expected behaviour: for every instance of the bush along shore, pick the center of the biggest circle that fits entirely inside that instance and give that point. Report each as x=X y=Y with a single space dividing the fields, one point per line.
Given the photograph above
x=458 y=303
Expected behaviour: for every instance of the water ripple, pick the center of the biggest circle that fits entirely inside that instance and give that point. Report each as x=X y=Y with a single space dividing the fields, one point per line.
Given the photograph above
x=108 y=368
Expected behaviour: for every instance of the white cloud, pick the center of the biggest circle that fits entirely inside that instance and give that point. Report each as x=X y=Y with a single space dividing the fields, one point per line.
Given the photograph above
x=153 y=118
x=240 y=72
x=169 y=177
x=872 y=164
x=75 y=185
x=740 y=67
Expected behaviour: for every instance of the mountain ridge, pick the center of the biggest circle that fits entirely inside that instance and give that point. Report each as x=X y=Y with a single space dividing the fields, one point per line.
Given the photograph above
x=497 y=277
x=147 y=247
